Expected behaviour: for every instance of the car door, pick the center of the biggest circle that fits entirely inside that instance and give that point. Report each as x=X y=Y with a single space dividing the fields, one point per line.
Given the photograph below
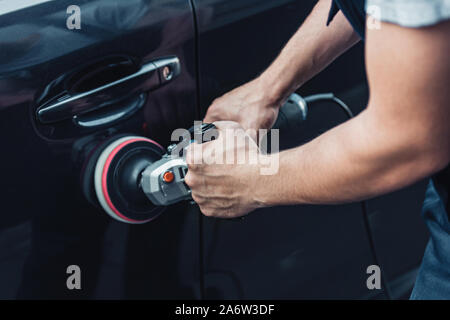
x=299 y=251
x=49 y=49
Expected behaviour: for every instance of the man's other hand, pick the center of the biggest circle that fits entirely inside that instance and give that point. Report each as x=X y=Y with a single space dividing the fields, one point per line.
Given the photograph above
x=250 y=105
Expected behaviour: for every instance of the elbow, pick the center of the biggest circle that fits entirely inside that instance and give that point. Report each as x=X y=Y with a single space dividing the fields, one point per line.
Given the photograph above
x=436 y=161
x=409 y=170
x=429 y=158
x=423 y=150
x=411 y=161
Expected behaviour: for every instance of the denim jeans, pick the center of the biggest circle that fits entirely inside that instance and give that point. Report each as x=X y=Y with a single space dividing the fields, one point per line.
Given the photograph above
x=433 y=280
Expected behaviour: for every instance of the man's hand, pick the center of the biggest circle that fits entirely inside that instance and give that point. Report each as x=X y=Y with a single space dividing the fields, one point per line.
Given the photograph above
x=255 y=105
x=222 y=184
x=250 y=105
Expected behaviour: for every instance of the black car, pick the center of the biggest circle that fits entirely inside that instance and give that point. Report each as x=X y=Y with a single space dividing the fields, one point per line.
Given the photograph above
x=59 y=52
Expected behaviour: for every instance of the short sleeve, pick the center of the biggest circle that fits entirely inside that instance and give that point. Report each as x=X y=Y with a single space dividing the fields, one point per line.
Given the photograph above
x=409 y=13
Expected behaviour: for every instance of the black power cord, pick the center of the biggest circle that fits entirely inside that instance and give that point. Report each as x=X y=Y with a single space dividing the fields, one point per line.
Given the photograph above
x=330 y=97
x=364 y=204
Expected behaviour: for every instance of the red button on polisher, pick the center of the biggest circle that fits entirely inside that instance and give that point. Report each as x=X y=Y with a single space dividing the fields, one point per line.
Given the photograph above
x=168 y=177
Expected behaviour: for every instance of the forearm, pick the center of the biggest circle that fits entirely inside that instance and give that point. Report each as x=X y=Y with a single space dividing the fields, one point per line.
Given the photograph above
x=360 y=159
x=314 y=46
x=403 y=135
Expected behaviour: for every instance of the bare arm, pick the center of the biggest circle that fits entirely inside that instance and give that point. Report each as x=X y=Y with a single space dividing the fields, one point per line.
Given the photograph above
x=309 y=51
x=313 y=47
x=402 y=137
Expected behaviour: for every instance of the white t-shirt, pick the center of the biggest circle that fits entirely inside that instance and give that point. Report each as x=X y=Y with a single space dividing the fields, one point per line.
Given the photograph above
x=409 y=13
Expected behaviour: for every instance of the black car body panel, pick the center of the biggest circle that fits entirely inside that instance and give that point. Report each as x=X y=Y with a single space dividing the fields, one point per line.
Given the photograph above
x=285 y=252
x=39 y=181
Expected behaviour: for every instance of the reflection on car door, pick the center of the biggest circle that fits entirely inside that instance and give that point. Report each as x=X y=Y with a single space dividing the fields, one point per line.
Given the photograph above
x=40 y=183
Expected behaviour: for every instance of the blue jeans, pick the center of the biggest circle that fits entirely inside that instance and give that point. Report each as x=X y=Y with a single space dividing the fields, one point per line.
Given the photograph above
x=433 y=280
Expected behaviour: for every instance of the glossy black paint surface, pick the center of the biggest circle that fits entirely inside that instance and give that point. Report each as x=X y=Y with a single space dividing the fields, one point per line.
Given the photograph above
x=287 y=252
x=39 y=179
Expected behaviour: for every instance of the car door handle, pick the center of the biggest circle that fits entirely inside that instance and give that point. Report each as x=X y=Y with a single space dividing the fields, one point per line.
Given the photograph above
x=86 y=99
